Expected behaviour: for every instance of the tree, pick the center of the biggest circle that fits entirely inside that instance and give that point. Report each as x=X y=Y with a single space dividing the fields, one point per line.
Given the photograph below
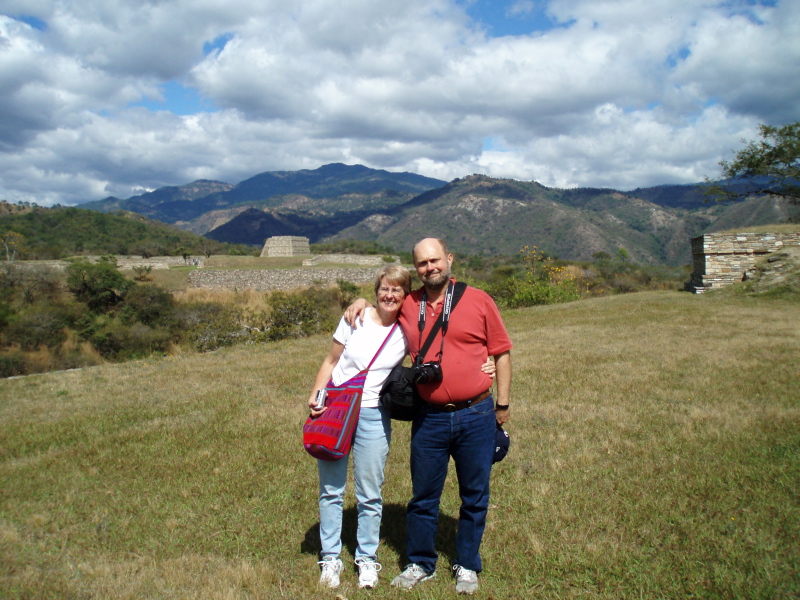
x=13 y=242
x=99 y=285
x=601 y=255
x=769 y=166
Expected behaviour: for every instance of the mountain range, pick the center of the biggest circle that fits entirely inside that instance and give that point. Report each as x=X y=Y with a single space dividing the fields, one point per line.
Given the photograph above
x=475 y=214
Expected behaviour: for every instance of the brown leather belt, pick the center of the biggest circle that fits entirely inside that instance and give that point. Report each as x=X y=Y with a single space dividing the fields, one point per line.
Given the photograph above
x=454 y=406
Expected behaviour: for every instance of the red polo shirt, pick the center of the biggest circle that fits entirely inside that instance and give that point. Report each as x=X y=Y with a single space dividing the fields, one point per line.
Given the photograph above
x=475 y=332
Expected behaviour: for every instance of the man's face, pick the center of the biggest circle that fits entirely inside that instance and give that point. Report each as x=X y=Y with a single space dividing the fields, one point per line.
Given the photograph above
x=432 y=264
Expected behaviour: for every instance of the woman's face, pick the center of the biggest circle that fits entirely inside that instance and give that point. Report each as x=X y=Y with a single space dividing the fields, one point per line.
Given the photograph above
x=390 y=297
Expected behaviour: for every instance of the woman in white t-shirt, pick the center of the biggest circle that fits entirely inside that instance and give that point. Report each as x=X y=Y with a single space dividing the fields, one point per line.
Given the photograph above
x=350 y=352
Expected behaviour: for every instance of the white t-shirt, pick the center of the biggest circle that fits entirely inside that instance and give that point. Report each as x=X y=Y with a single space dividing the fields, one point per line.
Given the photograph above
x=360 y=345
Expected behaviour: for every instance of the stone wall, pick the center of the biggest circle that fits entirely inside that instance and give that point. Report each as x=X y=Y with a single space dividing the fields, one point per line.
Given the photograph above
x=285 y=245
x=158 y=262
x=276 y=279
x=724 y=258
x=123 y=262
x=348 y=259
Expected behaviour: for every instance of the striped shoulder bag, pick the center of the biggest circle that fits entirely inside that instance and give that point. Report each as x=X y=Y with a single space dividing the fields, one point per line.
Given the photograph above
x=330 y=435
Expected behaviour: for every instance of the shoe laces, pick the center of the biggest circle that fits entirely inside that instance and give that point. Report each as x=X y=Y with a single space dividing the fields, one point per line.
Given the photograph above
x=464 y=574
x=366 y=563
x=329 y=564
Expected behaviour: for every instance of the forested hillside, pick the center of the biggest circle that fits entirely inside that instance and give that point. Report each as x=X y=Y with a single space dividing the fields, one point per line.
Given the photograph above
x=53 y=233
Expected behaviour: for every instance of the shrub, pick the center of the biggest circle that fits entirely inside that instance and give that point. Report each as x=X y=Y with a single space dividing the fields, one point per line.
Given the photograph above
x=503 y=272
x=118 y=341
x=516 y=293
x=148 y=304
x=109 y=339
x=208 y=326
x=143 y=340
x=40 y=325
x=38 y=284
x=30 y=284
x=98 y=285
x=6 y=314
x=301 y=314
x=348 y=292
x=142 y=273
x=12 y=364
x=543 y=283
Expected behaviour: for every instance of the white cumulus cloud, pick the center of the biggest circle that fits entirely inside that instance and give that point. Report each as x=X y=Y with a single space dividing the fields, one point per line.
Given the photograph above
x=620 y=93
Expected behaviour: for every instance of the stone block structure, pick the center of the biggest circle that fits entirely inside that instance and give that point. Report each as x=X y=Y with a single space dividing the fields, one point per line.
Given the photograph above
x=720 y=259
x=277 y=279
x=285 y=245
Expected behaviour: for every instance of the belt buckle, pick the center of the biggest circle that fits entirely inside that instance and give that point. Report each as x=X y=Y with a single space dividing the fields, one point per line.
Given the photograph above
x=450 y=407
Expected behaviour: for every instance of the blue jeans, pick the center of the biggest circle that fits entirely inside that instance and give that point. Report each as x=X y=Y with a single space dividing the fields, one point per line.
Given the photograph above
x=369 y=452
x=468 y=436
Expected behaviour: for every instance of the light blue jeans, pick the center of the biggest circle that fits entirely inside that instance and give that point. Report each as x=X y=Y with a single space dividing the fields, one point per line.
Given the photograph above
x=369 y=452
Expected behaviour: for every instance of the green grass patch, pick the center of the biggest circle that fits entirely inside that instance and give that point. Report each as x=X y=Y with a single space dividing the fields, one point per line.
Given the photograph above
x=655 y=454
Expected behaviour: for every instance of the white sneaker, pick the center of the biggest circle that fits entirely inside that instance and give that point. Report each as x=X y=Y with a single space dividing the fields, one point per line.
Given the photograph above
x=466 y=580
x=367 y=572
x=413 y=575
x=331 y=568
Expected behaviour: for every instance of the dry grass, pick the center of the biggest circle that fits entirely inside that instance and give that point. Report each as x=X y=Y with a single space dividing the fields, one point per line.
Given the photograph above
x=172 y=279
x=247 y=299
x=655 y=454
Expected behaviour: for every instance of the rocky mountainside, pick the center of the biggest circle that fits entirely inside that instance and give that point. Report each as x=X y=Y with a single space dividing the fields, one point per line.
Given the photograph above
x=481 y=214
x=347 y=184
x=476 y=214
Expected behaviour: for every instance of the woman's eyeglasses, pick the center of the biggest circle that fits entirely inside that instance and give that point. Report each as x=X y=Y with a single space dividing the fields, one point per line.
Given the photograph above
x=393 y=291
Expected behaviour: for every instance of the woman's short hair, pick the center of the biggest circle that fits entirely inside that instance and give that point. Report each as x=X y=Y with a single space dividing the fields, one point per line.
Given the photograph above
x=396 y=275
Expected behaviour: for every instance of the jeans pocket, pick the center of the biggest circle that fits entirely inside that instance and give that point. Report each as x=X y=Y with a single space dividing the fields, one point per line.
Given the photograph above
x=483 y=407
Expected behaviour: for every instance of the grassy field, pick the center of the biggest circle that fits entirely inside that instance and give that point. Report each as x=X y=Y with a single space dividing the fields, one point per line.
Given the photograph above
x=655 y=454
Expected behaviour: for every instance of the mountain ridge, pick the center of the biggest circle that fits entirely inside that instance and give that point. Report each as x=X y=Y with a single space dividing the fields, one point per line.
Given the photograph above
x=476 y=214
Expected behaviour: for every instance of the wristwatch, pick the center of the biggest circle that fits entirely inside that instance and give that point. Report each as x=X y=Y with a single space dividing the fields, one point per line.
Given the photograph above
x=501 y=406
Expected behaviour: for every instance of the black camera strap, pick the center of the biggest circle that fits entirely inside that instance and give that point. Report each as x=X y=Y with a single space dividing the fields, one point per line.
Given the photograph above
x=451 y=298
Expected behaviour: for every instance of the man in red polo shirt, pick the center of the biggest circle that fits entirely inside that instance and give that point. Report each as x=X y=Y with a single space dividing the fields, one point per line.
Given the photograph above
x=458 y=418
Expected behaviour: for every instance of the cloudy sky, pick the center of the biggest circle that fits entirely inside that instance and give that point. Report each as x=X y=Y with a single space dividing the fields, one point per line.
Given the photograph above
x=114 y=97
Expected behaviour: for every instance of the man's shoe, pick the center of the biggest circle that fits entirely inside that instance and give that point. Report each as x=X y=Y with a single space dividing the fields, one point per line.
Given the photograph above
x=466 y=580
x=367 y=573
x=331 y=568
x=413 y=575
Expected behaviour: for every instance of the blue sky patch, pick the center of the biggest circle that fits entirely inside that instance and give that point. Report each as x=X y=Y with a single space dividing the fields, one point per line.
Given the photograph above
x=178 y=99
x=511 y=17
x=678 y=57
x=34 y=22
x=744 y=9
x=217 y=44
